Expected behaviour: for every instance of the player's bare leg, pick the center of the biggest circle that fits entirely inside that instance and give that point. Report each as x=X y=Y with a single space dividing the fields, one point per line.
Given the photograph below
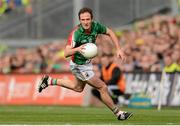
x=106 y=99
x=102 y=88
x=76 y=85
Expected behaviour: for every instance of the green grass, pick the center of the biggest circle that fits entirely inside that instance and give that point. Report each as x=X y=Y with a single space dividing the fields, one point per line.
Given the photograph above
x=48 y=115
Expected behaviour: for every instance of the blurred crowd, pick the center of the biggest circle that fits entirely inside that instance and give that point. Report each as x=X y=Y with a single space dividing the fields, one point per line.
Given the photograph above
x=152 y=45
x=45 y=58
x=6 y=6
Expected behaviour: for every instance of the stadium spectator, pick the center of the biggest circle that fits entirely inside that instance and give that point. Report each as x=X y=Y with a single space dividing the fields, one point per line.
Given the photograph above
x=5 y=64
x=18 y=60
x=178 y=67
x=112 y=76
x=170 y=66
x=6 y=6
x=3 y=7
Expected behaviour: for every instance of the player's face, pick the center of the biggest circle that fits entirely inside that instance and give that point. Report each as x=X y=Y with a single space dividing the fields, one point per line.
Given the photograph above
x=85 y=20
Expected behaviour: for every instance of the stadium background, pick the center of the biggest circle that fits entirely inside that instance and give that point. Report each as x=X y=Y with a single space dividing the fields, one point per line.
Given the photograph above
x=28 y=27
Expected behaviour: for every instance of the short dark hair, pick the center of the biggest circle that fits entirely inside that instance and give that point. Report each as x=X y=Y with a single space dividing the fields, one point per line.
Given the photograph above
x=85 y=9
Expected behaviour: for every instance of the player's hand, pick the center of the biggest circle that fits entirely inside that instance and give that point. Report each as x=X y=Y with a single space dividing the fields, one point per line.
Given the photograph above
x=120 y=54
x=81 y=48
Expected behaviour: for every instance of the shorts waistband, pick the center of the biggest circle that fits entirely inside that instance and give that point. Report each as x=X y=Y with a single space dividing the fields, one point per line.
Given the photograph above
x=87 y=62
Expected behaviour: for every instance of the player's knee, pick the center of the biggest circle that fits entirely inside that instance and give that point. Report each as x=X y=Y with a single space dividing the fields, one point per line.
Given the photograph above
x=103 y=88
x=78 y=89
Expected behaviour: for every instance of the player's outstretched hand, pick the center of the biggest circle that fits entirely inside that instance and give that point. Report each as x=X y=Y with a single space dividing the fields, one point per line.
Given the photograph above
x=120 y=54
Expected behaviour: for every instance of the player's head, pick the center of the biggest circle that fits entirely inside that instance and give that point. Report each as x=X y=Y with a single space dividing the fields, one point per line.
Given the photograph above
x=85 y=17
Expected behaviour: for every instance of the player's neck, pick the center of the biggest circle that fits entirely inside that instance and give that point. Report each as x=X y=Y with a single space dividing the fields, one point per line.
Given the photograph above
x=88 y=31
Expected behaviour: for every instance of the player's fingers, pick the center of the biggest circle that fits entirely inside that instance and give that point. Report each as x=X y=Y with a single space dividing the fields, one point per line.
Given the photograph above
x=82 y=47
x=122 y=57
x=82 y=50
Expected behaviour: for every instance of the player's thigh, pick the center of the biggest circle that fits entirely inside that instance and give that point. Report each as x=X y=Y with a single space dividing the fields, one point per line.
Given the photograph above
x=96 y=82
x=79 y=84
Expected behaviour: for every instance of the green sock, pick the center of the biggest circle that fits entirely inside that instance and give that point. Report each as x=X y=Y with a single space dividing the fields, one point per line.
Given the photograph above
x=54 y=82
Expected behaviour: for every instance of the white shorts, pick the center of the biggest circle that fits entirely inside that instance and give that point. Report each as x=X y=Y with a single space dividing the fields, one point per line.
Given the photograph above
x=82 y=72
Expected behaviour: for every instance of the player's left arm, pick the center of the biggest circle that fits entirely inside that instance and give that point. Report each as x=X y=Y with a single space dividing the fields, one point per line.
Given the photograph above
x=115 y=40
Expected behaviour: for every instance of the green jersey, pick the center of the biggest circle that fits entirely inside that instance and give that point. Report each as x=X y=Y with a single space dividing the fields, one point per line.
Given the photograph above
x=78 y=37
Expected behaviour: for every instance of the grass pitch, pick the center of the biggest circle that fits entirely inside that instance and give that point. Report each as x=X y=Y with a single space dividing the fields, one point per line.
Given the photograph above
x=60 y=115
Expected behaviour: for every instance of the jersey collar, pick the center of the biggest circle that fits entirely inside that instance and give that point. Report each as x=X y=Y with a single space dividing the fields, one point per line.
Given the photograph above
x=82 y=29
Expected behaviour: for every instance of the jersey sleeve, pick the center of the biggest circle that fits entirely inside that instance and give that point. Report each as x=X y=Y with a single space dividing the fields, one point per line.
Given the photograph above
x=73 y=36
x=101 y=28
x=71 y=39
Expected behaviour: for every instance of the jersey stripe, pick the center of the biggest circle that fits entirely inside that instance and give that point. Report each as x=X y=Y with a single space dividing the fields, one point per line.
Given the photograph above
x=71 y=40
x=71 y=36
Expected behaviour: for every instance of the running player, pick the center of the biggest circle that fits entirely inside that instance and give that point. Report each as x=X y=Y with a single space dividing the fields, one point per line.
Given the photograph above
x=86 y=32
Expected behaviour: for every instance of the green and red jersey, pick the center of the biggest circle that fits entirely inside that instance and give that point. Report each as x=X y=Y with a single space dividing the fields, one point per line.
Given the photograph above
x=78 y=37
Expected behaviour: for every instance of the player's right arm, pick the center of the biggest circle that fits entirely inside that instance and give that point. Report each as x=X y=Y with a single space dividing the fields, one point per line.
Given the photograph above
x=71 y=48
